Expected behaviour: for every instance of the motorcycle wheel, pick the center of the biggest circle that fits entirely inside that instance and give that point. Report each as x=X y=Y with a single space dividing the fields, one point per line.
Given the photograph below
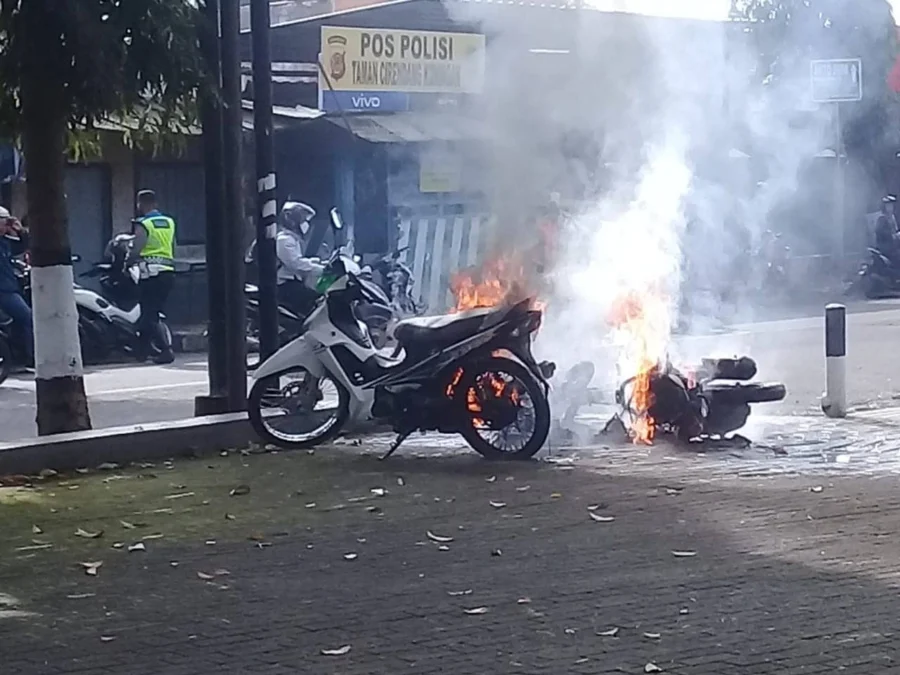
x=5 y=359
x=264 y=399
x=496 y=390
x=157 y=345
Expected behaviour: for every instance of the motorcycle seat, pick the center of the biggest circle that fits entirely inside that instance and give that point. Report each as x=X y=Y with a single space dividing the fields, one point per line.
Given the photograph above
x=437 y=331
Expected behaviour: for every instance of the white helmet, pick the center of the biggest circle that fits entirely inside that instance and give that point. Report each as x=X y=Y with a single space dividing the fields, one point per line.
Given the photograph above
x=296 y=215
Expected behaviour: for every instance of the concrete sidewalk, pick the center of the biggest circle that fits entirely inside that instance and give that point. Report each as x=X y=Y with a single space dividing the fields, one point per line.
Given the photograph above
x=338 y=564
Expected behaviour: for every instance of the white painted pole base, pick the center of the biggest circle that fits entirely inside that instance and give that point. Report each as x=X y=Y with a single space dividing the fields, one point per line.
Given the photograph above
x=57 y=350
x=834 y=402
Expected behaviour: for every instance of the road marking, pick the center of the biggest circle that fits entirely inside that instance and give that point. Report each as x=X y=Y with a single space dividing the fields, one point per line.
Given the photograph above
x=151 y=387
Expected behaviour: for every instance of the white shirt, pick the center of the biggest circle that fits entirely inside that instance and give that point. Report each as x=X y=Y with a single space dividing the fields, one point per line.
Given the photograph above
x=293 y=265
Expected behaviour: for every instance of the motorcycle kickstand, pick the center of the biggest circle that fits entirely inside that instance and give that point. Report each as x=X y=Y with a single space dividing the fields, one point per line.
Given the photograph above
x=396 y=444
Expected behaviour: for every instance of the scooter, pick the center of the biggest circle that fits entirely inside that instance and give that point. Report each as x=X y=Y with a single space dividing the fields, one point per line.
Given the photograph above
x=471 y=373
x=108 y=323
x=878 y=278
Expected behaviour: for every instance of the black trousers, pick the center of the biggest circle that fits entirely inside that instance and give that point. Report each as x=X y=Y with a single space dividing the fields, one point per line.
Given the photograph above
x=297 y=297
x=153 y=292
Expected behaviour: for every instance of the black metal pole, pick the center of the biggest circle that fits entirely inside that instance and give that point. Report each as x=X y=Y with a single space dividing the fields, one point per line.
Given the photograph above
x=267 y=205
x=233 y=221
x=211 y=120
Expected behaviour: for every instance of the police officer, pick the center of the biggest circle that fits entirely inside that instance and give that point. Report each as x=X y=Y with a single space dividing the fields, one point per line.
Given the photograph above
x=155 y=241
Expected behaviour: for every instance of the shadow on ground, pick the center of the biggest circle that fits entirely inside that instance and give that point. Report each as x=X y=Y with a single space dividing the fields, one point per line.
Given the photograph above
x=448 y=565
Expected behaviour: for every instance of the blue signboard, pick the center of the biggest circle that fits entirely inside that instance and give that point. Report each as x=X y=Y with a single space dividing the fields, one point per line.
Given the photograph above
x=363 y=101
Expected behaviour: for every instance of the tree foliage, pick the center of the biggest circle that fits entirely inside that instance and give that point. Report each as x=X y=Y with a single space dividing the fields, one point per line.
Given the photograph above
x=115 y=59
x=787 y=34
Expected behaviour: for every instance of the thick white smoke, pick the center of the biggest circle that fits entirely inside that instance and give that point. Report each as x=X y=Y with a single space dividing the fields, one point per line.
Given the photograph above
x=679 y=163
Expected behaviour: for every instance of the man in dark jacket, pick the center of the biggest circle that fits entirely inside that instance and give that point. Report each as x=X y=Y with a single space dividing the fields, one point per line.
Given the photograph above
x=14 y=241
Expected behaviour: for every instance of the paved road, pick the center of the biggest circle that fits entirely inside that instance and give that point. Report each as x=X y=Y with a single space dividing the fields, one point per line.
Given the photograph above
x=454 y=566
x=119 y=395
x=788 y=350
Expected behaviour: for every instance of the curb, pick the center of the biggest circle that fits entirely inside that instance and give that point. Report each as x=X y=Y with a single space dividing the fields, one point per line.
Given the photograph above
x=188 y=343
x=123 y=445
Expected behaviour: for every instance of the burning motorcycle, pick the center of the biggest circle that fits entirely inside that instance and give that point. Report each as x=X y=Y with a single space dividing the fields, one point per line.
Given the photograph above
x=470 y=373
x=711 y=402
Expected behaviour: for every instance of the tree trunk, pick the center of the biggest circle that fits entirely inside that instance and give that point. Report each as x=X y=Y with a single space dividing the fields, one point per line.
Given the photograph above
x=61 y=401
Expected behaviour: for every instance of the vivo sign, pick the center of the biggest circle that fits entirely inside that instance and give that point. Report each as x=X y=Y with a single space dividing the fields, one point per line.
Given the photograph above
x=363 y=101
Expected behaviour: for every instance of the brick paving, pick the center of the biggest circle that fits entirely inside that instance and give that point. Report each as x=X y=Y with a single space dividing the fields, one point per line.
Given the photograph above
x=699 y=575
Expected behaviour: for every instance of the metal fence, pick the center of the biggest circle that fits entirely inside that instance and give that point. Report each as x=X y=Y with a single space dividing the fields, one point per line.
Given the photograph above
x=437 y=249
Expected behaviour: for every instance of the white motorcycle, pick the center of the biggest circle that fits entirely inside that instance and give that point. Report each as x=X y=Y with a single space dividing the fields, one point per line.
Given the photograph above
x=470 y=373
x=108 y=323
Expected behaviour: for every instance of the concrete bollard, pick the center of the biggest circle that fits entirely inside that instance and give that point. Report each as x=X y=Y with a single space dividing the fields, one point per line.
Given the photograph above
x=834 y=403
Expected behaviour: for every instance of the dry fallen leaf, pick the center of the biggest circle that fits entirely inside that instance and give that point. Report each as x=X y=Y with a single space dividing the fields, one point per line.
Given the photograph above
x=378 y=492
x=555 y=495
x=158 y=535
x=652 y=668
x=350 y=556
x=340 y=651
x=400 y=481
x=491 y=479
x=443 y=547
x=128 y=526
x=240 y=491
x=91 y=568
x=80 y=596
x=684 y=554
x=88 y=535
x=817 y=488
x=107 y=638
x=205 y=576
x=229 y=516
x=523 y=601
x=137 y=547
x=496 y=553
x=180 y=495
x=468 y=591
x=612 y=632
x=497 y=505
x=523 y=488
x=36 y=530
x=652 y=636
x=108 y=466
x=476 y=610
x=438 y=538
x=600 y=519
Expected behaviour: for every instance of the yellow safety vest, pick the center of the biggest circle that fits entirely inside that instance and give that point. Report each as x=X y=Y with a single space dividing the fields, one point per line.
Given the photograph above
x=160 y=246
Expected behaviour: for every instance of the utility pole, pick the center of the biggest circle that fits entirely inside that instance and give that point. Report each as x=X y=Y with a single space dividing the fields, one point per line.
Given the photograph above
x=233 y=220
x=211 y=120
x=267 y=205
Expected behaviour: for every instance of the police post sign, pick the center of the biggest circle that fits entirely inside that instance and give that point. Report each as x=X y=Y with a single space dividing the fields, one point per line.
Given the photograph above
x=384 y=60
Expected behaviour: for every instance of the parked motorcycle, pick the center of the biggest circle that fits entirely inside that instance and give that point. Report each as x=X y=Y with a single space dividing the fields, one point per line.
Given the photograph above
x=879 y=277
x=108 y=322
x=395 y=278
x=470 y=373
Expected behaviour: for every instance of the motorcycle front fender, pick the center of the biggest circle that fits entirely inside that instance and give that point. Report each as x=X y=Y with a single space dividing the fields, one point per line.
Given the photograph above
x=298 y=352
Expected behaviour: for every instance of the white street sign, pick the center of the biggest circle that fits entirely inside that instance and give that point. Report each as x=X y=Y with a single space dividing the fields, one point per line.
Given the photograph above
x=836 y=80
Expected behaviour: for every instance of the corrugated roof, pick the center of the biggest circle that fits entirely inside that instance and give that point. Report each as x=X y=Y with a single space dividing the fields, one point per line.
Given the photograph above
x=410 y=127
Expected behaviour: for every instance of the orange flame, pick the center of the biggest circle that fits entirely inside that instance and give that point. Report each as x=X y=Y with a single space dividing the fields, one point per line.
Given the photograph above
x=496 y=282
x=633 y=316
